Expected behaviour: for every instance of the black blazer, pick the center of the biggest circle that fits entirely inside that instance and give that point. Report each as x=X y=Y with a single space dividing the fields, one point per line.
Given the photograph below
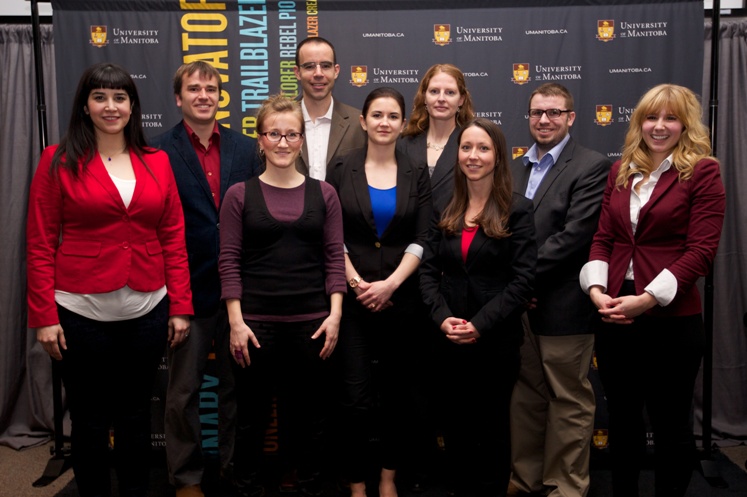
x=376 y=258
x=442 y=181
x=492 y=288
x=566 y=212
x=238 y=161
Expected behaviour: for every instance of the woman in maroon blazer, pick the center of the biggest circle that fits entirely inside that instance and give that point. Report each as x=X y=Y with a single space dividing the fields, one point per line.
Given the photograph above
x=658 y=233
x=108 y=280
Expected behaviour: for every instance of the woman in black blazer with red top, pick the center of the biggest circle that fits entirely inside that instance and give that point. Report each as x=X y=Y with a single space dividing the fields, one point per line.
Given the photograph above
x=658 y=233
x=386 y=207
x=476 y=278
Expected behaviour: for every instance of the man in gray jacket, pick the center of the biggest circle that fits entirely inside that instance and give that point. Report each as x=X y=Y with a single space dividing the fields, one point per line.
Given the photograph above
x=552 y=410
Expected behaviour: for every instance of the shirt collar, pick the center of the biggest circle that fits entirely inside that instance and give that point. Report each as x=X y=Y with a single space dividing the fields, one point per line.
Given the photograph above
x=531 y=156
x=214 y=137
x=327 y=116
x=665 y=165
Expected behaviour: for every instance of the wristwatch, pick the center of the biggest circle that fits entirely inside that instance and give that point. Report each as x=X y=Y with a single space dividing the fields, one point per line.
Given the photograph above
x=354 y=281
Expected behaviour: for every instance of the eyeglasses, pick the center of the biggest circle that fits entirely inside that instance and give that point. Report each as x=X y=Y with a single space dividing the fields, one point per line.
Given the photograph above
x=310 y=66
x=275 y=137
x=551 y=113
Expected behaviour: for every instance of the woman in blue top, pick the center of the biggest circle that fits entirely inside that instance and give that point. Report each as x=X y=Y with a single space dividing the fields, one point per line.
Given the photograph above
x=386 y=207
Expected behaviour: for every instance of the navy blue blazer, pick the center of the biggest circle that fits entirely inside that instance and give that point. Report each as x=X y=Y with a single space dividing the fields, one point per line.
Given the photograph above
x=238 y=162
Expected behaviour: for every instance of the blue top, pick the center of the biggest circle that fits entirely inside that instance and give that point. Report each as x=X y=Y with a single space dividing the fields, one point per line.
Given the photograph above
x=383 y=204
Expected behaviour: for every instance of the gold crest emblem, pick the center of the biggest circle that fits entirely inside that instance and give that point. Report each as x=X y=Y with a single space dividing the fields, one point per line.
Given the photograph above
x=521 y=73
x=600 y=439
x=359 y=76
x=517 y=152
x=442 y=34
x=604 y=115
x=98 y=36
x=606 y=30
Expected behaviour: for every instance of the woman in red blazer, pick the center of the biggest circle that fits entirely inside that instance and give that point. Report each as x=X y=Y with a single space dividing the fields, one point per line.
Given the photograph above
x=108 y=280
x=658 y=233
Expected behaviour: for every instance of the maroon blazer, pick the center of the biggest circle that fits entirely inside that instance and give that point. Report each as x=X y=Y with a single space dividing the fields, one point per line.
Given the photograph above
x=82 y=239
x=678 y=229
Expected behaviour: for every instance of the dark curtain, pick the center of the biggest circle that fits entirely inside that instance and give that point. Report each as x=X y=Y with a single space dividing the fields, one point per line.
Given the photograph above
x=25 y=372
x=730 y=267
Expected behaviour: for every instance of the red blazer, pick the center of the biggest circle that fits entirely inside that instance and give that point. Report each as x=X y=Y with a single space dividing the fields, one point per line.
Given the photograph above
x=678 y=229
x=82 y=239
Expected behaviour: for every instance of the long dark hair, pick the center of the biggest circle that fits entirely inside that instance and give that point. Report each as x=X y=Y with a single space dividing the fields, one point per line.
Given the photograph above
x=78 y=145
x=494 y=217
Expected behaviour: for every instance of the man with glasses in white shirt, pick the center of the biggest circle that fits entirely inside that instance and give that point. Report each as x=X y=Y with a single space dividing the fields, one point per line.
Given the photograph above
x=552 y=408
x=332 y=128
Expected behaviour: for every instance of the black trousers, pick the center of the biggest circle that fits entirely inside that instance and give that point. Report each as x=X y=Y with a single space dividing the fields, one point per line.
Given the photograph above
x=287 y=366
x=477 y=381
x=381 y=359
x=651 y=364
x=108 y=371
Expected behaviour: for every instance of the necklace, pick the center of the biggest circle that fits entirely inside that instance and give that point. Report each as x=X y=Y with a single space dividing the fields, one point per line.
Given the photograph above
x=435 y=147
x=109 y=157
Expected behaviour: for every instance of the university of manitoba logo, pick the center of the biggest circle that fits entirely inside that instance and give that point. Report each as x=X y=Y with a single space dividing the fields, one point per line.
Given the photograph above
x=517 y=152
x=98 y=36
x=600 y=439
x=606 y=30
x=359 y=76
x=521 y=73
x=604 y=115
x=442 y=34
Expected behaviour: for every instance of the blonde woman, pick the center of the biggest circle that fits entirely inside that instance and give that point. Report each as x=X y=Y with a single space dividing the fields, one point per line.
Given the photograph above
x=658 y=233
x=283 y=277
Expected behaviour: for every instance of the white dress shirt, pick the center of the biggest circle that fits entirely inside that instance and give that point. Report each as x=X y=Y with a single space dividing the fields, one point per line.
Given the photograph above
x=317 y=140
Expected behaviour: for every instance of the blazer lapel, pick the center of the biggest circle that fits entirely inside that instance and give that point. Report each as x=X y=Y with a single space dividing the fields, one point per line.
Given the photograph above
x=665 y=182
x=337 y=130
x=140 y=177
x=521 y=180
x=227 y=150
x=97 y=169
x=360 y=188
x=444 y=165
x=303 y=163
x=475 y=247
x=620 y=206
x=187 y=152
x=555 y=171
x=404 y=182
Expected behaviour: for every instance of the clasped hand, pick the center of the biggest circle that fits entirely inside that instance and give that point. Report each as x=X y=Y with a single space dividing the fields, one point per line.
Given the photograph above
x=375 y=296
x=621 y=310
x=460 y=331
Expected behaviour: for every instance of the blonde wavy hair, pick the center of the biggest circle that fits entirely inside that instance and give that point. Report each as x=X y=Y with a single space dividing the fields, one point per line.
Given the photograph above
x=420 y=119
x=694 y=143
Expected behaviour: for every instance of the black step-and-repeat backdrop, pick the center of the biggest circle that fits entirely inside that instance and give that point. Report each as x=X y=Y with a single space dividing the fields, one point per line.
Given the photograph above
x=607 y=55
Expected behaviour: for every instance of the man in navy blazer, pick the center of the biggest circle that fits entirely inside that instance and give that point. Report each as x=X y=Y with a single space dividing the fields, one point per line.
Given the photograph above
x=552 y=409
x=206 y=158
x=332 y=128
